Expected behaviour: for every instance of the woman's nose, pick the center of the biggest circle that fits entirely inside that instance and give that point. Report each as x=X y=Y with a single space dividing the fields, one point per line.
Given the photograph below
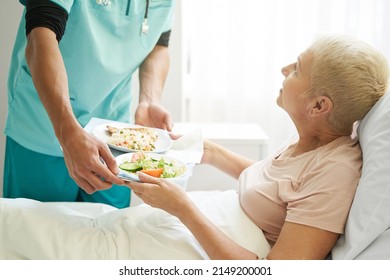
x=285 y=70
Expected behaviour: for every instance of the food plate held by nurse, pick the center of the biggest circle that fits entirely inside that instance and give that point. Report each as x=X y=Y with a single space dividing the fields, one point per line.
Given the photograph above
x=133 y=138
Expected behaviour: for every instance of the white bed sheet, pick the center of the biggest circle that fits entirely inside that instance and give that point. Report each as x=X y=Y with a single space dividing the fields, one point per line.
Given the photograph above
x=34 y=230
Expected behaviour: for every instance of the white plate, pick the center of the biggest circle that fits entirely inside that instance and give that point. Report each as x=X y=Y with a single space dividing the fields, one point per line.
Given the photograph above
x=163 y=143
x=128 y=176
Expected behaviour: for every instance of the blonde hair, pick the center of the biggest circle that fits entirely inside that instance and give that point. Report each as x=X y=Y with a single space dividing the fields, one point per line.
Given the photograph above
x=352 y=74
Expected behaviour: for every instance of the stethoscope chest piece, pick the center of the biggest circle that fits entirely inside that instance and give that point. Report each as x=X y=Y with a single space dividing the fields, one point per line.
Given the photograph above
x=145 y=26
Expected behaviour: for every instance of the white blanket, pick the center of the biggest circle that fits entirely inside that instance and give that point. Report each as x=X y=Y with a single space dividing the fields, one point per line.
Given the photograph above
x=33 y=230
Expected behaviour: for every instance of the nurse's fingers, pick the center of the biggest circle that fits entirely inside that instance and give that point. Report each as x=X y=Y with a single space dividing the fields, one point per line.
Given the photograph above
x=175 y=136
x=169 y=122
x=94 y=182
x=108 y=159
x=101 y=169
x=85 y=185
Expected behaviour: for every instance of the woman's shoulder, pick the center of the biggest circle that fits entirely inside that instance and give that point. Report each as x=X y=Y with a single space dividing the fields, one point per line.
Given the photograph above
x=344 y=146
x=343 y=154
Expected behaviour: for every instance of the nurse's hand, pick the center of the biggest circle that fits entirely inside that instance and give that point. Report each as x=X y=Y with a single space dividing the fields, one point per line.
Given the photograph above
x=153 y=115
x=89 y=161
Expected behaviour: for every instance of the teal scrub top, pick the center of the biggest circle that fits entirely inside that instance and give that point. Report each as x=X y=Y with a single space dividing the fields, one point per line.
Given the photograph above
x=102 y=47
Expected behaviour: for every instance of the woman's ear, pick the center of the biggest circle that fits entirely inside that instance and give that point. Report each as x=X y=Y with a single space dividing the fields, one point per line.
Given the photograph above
x=322 y=105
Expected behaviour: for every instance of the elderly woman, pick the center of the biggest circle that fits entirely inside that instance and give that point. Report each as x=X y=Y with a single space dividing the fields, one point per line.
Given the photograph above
x=299 y=196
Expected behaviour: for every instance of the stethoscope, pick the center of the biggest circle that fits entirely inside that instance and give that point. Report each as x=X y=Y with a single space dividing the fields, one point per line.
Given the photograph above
x=144 y=26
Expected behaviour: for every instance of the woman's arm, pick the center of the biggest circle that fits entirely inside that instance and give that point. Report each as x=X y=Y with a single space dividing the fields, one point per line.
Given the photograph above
x=217 y=245
x=296 y=241
x=223 y=159
x=173 y=199
x=300 y=242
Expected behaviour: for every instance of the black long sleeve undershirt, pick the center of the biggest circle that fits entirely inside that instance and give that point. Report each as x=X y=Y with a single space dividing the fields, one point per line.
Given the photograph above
x=44 y=13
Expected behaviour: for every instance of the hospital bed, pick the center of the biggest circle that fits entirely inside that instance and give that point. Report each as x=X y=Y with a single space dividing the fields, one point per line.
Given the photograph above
x=33 y=230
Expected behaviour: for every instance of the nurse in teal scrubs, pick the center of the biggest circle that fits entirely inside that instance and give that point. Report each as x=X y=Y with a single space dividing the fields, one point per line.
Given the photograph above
x=74 y=60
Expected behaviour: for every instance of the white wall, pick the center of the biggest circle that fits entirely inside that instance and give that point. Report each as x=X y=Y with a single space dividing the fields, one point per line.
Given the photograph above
x=9 y=21
x=10 y=13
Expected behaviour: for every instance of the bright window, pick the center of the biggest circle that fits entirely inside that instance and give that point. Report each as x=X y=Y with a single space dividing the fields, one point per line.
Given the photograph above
x=235 y=49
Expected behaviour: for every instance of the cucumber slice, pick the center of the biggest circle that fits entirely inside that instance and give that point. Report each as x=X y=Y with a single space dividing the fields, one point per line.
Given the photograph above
x=130 y=166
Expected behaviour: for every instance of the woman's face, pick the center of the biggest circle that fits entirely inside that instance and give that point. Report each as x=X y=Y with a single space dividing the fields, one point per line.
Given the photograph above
x=297 y=81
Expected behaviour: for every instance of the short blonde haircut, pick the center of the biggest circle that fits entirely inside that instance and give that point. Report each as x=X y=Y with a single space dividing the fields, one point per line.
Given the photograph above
x=352 y=74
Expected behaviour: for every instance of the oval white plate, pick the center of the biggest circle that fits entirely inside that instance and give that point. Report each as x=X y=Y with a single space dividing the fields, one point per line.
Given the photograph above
x=163 y=143
x=128 y=176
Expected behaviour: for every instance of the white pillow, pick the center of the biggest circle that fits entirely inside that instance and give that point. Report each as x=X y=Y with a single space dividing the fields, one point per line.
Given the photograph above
x=367 y=232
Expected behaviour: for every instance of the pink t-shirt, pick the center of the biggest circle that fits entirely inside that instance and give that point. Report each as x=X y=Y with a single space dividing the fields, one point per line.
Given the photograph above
x=315 y=188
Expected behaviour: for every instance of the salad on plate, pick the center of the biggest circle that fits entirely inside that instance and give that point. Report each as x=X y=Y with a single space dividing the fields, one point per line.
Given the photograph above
x=156 y=165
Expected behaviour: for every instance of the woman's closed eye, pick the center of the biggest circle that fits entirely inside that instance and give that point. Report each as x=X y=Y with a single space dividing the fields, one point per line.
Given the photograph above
x=294 y=69
x=291 y=70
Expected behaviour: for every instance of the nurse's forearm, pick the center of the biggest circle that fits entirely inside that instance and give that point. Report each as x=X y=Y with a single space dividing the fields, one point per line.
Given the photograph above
x=49 y=76
x=152 y=75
